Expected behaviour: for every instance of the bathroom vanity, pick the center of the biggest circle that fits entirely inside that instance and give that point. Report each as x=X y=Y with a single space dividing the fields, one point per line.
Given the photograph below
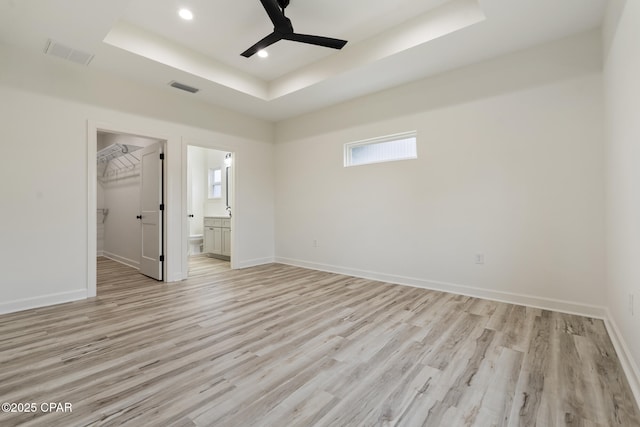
x=217 y=237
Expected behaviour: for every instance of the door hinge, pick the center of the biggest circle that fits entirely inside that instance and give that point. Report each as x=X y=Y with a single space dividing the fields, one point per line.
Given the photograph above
x=162 y=207
x=161 y=258
x=161 y=156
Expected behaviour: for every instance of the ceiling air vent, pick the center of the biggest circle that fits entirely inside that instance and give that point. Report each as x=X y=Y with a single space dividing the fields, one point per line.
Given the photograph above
x=65 y=52
x=183 y=86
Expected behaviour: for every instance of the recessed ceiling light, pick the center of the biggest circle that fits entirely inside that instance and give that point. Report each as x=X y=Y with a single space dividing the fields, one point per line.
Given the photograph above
x=185 y=14
x=263 y=53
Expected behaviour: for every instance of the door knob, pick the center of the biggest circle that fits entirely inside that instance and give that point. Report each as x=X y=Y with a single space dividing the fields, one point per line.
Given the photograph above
x=138 y=216
x=191 y=216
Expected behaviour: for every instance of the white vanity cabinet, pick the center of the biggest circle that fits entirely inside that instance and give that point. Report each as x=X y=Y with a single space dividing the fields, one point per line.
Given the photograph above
x=217 y=237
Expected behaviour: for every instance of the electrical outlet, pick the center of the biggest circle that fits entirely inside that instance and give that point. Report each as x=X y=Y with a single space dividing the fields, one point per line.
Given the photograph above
x=315 y=243
x=479 y=258
x=631 y=305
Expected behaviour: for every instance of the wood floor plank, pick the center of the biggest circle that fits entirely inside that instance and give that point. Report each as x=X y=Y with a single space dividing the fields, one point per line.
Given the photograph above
x=277 y=345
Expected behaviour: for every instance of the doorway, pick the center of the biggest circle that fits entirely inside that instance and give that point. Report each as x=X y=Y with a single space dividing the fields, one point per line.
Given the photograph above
x=130 y=201
x=210 y=199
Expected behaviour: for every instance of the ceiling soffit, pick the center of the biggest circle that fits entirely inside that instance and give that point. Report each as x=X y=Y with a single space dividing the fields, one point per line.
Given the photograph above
x=440 y=21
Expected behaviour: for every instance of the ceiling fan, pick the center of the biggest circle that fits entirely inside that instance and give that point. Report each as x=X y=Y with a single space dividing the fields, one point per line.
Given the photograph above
x=282 y=29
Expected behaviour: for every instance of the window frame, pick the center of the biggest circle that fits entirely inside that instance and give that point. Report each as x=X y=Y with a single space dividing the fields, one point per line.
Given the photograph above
x=214 y=183
x=349 y=146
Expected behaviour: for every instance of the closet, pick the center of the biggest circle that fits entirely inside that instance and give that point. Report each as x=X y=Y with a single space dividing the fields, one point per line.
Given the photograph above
x=119 y=223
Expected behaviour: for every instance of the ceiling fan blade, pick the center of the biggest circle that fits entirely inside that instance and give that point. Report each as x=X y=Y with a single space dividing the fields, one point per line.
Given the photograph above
x=275 y=13
x=267 y=41
x=283 y=29
x=316 y=40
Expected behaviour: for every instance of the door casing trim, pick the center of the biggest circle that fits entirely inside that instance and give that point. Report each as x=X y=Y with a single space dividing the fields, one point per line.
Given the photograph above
x=93 y=126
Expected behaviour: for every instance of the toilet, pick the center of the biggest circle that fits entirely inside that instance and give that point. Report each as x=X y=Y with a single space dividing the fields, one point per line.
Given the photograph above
x=195 y=244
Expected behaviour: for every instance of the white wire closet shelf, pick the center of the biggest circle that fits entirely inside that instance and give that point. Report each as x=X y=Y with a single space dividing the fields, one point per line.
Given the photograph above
x=118 y=161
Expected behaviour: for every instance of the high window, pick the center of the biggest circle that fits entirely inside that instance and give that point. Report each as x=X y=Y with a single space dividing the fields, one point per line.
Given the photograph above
x=389 y=148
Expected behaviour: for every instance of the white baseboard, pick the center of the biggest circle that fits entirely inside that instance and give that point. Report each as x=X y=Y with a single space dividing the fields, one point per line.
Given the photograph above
x=253 y=262
x=99 y=253
x=122 y=260
x=177 y=277
x=508 y=297
x=42 y=301
x=627 y=361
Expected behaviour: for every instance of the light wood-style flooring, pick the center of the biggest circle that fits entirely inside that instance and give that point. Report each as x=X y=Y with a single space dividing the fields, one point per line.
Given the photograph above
x=283 y=346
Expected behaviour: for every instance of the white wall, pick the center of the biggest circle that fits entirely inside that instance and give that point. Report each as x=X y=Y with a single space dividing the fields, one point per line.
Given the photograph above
x=622 y=100
x=122 y=233
x=45 y=105
x=510 y=165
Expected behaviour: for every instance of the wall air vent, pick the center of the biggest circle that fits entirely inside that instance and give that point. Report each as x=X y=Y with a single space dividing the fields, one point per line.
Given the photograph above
x=65 y=52
x=184 y=87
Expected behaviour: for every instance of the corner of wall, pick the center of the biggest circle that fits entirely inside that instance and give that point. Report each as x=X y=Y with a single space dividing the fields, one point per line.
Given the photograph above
x=454 y=288
x=622 y=205
x=624 y=355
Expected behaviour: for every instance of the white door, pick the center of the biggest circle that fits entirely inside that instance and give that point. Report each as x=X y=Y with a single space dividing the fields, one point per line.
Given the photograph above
x=151 y=207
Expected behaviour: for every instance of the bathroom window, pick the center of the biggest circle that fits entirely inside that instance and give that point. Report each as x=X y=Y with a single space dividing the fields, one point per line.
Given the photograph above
x=215 y=183
x=388 y=148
